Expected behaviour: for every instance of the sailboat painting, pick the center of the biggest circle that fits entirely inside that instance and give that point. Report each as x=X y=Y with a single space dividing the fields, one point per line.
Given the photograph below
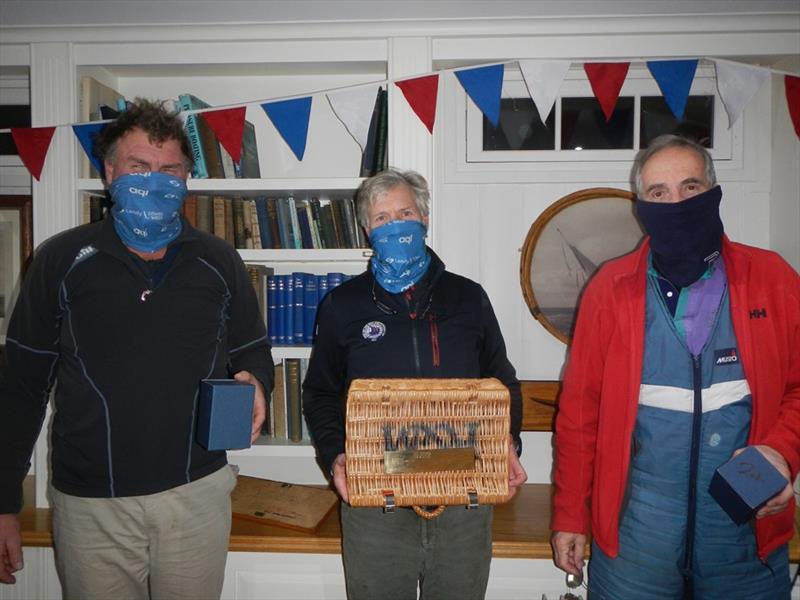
x=566 y=245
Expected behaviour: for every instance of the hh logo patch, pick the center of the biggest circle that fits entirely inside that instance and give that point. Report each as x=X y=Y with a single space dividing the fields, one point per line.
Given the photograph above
x=726 y=356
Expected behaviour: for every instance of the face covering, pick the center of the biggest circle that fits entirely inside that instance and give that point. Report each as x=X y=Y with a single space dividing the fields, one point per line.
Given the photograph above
x=146 y=209
x=684 y=236
x=400 y=257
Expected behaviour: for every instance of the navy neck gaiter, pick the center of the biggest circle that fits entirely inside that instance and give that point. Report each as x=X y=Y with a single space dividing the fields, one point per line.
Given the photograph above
x=684 y=236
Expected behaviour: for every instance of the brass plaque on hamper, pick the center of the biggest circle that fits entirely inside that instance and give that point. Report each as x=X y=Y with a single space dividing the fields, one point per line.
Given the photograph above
x=434 y=460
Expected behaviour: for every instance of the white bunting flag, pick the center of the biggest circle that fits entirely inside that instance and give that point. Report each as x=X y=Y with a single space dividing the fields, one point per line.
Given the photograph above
x=737 y=84
x=354 y=107
x=543 y=79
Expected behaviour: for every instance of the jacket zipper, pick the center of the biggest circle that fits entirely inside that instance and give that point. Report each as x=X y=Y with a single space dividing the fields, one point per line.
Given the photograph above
x=434 y=339
x=414 y=338
x=694 y=459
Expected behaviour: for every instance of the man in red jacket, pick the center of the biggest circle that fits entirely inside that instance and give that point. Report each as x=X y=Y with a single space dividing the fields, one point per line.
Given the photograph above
x=650 y=408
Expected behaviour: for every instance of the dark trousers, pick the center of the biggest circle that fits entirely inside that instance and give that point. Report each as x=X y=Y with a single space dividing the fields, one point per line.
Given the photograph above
x=389 y=556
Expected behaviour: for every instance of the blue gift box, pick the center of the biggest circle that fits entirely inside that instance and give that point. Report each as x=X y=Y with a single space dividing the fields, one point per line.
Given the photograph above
x=225 y=414
x=746 y=483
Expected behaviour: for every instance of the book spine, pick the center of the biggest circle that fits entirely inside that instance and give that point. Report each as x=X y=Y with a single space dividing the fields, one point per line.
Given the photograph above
x=322 y=286
x=274 y=229
x=328 y=228
x=192 y=132
x=338 y=223
x=230 y=223
x=249 y=164
x=190 y=209
x=288 y=322
x=280 y=312
x=255 y=225
x=219 y=216
x=305 y=226
x=335 y=279
x=237 y=205
x=347 y=217
x=298 y=286
x=293 y=391
x=296 y=235
x=279 y=403
x=284 y=223
x=310 y=302
x=272 y=309
x=264 y=226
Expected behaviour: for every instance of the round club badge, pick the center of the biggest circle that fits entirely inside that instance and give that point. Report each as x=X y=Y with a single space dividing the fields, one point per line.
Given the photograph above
x=373 y=331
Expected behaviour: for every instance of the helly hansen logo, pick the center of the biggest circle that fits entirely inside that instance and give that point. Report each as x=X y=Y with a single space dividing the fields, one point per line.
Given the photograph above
x=757 y=313
x=726 y=356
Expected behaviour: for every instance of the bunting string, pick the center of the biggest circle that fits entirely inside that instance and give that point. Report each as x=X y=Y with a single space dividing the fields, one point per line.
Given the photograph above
x=353 y=105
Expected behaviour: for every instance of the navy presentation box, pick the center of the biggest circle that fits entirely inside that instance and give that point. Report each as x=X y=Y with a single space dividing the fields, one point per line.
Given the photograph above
x=745 y=483
x=225 y=415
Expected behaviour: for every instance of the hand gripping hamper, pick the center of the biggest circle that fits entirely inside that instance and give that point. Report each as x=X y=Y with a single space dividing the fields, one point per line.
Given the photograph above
x=423 y=442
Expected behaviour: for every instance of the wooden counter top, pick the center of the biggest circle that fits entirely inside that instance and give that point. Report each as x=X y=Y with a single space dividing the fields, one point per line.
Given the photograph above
x=520 y=530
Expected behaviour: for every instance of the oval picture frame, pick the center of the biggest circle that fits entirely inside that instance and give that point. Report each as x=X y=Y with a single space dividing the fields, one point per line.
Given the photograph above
x=565 y=246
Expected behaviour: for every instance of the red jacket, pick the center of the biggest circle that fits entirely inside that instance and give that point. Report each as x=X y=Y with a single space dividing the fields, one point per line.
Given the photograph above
x=599 y=400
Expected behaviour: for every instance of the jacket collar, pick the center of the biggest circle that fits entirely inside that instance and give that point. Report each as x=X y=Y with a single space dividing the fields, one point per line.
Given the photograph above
x=428 y=283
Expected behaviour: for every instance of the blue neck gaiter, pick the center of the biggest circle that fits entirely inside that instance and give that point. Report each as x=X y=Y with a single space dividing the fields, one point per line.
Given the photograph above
x=146 y=209
x=400 y=257
x=684 y=236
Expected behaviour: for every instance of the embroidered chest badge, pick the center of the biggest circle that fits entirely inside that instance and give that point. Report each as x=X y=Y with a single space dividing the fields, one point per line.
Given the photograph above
x=726 y=356
x=373 y=331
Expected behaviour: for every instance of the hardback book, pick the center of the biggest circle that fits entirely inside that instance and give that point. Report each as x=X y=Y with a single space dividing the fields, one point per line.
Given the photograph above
x=188 y=102
x=272 y=216
x=313 y=225
x=279 y=403
x=285 y=223
x=259 y=277
x=264 y=226
x=296 y=235
x=349 y=221
x=280 y=311
x=339 y=224
x=272 y=309
x=219 y=203
x=255 y=224
x=237 y=205
x=92 y=95
x=322 y=286
x=230 y=222
x=247 y=224
x=205 y=213
x=248 y=165
x=335 y=279
x=368 y=154
x=327 y=226
x=299 y=507
x=190 y=209
x=310 y=302
x=294 y=413
x=298 y=331
x=288 y=307
x=382 y=133
x=305 y=227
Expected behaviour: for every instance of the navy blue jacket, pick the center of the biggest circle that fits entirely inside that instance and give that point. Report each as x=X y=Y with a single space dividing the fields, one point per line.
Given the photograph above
x=446 y=328
x=127 y=349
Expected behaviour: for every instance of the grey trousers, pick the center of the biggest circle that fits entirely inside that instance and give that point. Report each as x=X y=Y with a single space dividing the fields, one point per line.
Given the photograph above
x=173 y=544
x=391 y=556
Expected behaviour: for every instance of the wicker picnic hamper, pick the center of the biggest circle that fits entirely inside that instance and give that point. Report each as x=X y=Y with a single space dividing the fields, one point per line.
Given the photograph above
x=423 y=420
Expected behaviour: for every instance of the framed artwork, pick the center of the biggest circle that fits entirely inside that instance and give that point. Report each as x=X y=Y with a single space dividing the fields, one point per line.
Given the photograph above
x=566 y=245
x=16 y=249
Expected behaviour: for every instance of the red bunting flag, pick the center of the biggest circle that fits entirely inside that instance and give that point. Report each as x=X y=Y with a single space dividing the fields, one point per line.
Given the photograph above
x=792 y=84
x=606 y=80
x=421 y=96
x=228 y=125
x=32 y=145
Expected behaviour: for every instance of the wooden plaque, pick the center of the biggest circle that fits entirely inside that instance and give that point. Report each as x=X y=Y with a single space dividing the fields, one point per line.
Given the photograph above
x=300 y=507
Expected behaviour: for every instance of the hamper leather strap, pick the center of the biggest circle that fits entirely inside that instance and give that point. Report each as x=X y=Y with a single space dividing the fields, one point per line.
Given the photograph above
x=429 y=515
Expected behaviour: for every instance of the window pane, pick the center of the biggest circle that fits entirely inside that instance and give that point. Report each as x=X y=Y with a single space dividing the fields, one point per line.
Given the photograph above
x=12 y=115
x=697 y=123
x=584 y=126
x=520 y=128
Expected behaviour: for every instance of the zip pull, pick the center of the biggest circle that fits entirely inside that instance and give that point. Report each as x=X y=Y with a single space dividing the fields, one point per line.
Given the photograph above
x=434 y=339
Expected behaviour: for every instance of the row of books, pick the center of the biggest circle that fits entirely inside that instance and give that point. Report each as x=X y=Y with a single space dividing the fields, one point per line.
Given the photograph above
x=99 y=102
x=285 y=420
x=292 y=302
x=268 y=222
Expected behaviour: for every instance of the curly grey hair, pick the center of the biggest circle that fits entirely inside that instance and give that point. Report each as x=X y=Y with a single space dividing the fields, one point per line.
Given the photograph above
x=373 y=188
x=663 y=142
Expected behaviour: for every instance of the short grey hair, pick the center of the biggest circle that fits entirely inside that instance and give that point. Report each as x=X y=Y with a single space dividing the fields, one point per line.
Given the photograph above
x=374 y=187
x=663 y=142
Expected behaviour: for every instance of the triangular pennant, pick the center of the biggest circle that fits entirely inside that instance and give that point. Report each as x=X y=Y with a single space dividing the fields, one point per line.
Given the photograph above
x=737 y=84
x=353 y=107
x=792 y=85
x=484 y=85
x=674 y=78
x=85 y=134
x=290 y=118
x=32 y=145
x=606 y=80
x=420 y=93
x=228 y=125
x=543 y=79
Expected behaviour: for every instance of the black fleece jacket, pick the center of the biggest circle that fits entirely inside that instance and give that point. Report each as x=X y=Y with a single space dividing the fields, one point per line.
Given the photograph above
x=444 y=328
x=126 y=346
